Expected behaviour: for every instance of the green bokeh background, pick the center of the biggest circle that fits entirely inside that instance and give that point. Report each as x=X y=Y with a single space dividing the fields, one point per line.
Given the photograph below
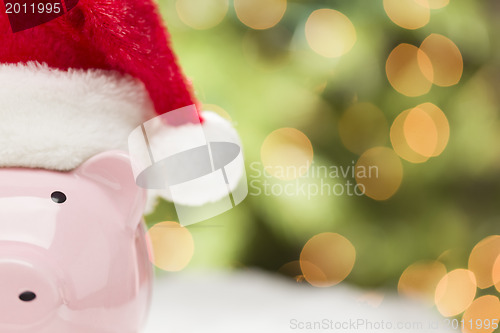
x=269 y=79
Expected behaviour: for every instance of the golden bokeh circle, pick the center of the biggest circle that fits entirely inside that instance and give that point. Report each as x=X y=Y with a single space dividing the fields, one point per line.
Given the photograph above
x=408 y=14
x=172 y=246
x=260 y=14
x=327 y=259
x=419 y=280
x=363 y=126
x=496 y=273
x=445 y=58
x=292 y=269
x=314 y=275
x=482 y=258
x=433 y=4
x=441 y=124
x=330 y=33
x=420 y=132
x=399 y=143
x=202 y=14
x=383 y=173
x=405 y=68
x=286 y=154
x=482 y=315
x=455 y=292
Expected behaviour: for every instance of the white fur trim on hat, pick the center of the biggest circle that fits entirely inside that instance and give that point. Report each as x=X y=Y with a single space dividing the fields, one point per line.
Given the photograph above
x=55 y=119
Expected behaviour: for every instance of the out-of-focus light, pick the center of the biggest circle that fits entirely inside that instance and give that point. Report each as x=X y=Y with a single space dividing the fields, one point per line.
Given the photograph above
x=327 y=259
x=286 y=154
x=482 y=258
x=260 y=14
x=433 y=4
x=173 y=246
x=446 y=60
x=399 y=143
x=293 y=270
x=363 y=126
x=496 y=273
x=482 y=316
x=202 y=14
x=441 y=124
x=455 y=292
x=217 y=109
x=405 y=68
x=379 y=172
x=420 y=132
x=419 y=280
x=313 y=275
x=408 y=14
x=330 y=33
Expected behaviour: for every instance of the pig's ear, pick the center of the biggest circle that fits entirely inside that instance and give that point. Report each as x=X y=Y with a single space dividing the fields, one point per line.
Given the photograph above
x=113 y=171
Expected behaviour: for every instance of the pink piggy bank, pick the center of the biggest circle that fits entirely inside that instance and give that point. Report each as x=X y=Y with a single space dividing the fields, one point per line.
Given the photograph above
x=73 y=252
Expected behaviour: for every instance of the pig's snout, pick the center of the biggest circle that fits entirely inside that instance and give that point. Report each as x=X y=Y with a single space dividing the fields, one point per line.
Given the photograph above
x=29 y=294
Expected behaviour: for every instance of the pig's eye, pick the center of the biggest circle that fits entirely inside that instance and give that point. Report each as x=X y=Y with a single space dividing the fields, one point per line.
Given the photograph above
x=58 y=197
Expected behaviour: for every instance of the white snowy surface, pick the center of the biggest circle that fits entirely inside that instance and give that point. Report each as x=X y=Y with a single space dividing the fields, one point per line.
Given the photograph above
x=257 y=302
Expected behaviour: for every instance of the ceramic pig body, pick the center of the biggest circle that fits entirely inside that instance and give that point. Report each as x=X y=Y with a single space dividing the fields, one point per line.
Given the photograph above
x=73 y=251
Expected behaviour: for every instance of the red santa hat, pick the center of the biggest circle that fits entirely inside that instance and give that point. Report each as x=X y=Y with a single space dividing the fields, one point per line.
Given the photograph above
x=80 y=83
